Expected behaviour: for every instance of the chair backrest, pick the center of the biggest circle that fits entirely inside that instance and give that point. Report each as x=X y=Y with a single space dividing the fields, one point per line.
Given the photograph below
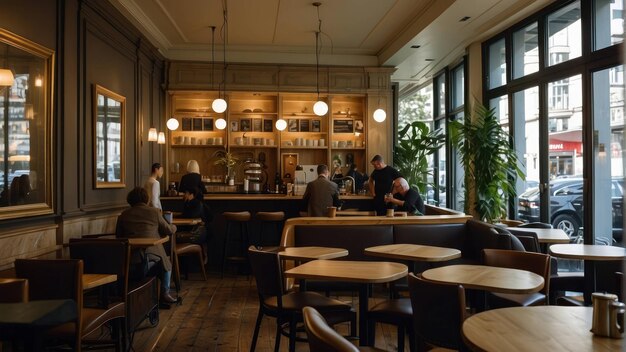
x=537 y=263
x=55 y=279
x=529 y=240
x=104 y=256
x=323 y=338
x=267 y=272
x=438 y=312
x=13 y=290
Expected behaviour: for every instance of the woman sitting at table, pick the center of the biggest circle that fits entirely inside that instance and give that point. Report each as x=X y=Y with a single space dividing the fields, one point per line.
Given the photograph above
x=194 y=207
x=143 y=221
x=404 y=198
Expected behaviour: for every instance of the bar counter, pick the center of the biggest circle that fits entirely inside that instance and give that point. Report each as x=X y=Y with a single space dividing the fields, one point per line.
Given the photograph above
x=232 y=202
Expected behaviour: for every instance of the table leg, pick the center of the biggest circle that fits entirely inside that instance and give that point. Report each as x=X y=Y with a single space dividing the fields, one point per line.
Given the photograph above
x=590 y=280
x=364 y=293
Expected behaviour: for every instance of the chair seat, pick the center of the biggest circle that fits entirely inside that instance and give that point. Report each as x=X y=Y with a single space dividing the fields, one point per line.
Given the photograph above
x=502 y=300
x=298 y=300
x=188 y=248
x=392 y=310
x=270 y=216
x=237 y=216
x=92 y=319
x=572 y=301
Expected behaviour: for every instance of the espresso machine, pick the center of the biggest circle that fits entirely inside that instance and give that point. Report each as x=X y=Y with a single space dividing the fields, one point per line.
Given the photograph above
x=252 y=177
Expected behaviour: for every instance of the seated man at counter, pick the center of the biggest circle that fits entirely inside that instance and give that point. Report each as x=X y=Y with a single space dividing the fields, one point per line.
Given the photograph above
x=321 y=193
x=404 y=198
x=143 y=221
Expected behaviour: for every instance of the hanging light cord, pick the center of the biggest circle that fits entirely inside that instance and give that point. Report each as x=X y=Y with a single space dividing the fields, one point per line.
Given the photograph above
x=225 y=37
x=318 y=49
x=212 y=56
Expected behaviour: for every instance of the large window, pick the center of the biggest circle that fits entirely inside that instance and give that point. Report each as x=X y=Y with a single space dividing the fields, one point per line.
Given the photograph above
x=565 y=93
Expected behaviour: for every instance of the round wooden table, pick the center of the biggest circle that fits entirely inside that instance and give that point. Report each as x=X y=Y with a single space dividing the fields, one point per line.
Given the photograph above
x=540 y=328
x=364 y=273
x=488 y=278
x=590 y=253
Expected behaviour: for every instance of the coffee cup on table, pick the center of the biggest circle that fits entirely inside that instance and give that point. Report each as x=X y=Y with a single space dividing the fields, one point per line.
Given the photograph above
x=390 y=213
x=332 y=212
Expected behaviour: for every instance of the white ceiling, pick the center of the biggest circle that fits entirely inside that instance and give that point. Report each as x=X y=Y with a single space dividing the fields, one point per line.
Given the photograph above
x=356 y=32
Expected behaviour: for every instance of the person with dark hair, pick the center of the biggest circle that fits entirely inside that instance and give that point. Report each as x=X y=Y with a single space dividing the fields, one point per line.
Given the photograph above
x=359 y=177
x=381 y=182
x=195 y=207
x=321 y=193
x=192 y=179
x=142 y=221
x=405 y=198
x=153 y=187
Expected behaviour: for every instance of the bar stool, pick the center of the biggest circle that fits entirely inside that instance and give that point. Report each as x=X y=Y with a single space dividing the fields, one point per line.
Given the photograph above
x=236 y=220
x=273 y=219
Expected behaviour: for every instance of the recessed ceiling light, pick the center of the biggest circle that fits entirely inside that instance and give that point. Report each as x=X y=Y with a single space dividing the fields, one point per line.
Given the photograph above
x=415 y=46
x=464 y=18
x=429 y=59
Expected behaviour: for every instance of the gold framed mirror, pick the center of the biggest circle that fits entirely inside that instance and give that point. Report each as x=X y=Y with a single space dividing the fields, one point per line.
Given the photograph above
x=26 y=81
x=109 y=116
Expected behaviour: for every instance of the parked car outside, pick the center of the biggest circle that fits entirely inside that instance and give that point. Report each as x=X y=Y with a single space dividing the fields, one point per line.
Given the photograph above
x=566 y=206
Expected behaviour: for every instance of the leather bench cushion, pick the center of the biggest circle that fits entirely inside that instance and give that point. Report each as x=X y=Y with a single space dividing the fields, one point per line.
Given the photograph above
x=353 y=238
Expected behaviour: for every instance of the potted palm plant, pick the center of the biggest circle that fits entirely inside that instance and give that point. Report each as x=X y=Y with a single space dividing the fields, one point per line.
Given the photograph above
x=491 y=165
x=415 y=143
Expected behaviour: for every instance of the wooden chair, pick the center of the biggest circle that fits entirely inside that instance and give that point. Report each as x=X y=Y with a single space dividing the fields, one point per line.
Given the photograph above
x=396 y=311
x=56 y=279
x=287 y=307
x=191 y=249
x=438 y=313
x=323 y=338
x=13 y=290
x=537 y=263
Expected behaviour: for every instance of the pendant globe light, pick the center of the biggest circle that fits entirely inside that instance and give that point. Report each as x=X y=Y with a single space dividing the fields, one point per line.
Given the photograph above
x=320 y=108
x=380 y=115
x=172 y=124
x=219 y=105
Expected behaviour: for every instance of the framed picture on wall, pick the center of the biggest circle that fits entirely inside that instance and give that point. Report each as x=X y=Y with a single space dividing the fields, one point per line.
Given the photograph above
x=305 y=125
x=207 y=125
x=343 y=126
x=268 y=126
x=245 y=125
x=186 y=123
x=234 y=126
x=292 y=125
x=315 y=126
x=257 y=125
x=358 y=126
x=197 y=124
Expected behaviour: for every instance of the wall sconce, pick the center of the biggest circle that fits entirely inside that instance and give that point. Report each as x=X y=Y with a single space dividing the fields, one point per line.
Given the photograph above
x=152 y=135
x=6 y=77
x=38 y=81
x=281 y=124
x=220 y=123
x=161 y=138
x=172 y=124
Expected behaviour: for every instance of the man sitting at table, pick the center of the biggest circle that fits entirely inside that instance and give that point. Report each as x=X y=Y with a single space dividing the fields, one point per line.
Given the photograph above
x=321 y=193
x=142 y=221
x=405 y=198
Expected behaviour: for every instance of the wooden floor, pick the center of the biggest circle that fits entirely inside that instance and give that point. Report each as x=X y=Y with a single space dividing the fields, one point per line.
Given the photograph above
x=219 y=315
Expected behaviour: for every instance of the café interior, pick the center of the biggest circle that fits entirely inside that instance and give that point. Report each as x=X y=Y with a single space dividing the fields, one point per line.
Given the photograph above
x=253 y=96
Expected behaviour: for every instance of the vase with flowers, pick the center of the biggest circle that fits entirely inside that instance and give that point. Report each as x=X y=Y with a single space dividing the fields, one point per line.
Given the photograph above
x=230 y=161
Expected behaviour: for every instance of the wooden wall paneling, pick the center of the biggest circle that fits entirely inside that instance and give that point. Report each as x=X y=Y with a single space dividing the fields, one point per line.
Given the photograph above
x=88 y=225
x=109 y=60
x=26 y=242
